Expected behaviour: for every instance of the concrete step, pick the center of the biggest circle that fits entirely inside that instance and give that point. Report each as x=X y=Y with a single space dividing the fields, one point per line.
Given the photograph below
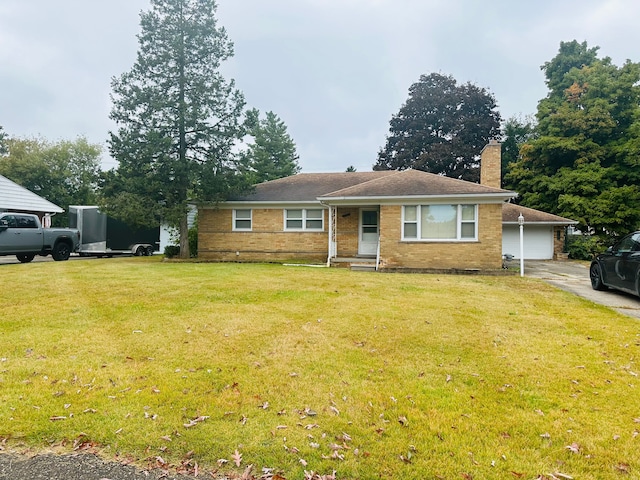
x=363 y=267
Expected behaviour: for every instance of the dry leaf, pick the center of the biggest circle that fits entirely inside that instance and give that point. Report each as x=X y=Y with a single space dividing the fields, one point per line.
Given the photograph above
x=237 y=458
x=574 y=448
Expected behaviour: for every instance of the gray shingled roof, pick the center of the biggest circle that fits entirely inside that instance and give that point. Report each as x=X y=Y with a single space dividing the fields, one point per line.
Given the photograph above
x=511 y=212
x=308 y=187
x=15 y=197
x=410 y=183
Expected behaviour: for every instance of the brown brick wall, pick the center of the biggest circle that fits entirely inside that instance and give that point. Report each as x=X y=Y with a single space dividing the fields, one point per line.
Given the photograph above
x=484 y=254
x=559 y=234
x=491 y=165
x=266 y=242
x=347 y=225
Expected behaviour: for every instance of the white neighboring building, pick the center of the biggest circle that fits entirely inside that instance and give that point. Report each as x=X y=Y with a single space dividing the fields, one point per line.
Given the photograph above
x=171 y=235
x=15 y=198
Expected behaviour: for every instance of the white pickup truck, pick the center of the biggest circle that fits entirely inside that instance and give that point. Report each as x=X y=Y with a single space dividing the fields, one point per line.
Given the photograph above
x=22 y=235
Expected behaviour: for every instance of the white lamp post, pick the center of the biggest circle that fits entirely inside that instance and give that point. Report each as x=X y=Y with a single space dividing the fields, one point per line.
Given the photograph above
x=521 y=223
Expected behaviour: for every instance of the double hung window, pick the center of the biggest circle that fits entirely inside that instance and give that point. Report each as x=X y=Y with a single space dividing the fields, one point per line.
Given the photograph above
x=304 y=219
x=440 y=222
x=242 y=220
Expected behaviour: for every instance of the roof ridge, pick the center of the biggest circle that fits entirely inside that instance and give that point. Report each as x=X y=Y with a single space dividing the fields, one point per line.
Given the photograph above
x=391 y=173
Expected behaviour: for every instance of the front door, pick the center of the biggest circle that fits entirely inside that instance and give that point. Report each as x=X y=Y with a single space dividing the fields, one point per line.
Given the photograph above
x=369 y=232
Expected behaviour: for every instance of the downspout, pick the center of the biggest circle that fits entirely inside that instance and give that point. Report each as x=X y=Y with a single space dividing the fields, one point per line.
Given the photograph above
x=329 y=248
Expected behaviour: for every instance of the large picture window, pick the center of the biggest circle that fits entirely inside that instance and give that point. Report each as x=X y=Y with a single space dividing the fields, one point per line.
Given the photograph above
x=304 y=219
x=439 y=222
x=242 y=220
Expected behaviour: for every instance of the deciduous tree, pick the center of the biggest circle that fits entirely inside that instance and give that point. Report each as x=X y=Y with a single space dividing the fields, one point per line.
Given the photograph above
x=441 y=128
x=3 y=142
x=584 y=163
x=516 y=131
x=178 y=118
x=65 y=173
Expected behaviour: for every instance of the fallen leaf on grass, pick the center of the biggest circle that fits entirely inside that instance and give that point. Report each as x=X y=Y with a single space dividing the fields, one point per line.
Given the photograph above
x=195 y=421
x=623 y=467
x=237 y=458
x=573 y=448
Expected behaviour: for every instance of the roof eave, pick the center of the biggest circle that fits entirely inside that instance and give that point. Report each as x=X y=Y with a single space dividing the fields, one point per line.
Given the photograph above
x=497 y=197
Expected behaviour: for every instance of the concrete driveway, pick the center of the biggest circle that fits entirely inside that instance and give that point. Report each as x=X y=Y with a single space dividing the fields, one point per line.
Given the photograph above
x=574 y=277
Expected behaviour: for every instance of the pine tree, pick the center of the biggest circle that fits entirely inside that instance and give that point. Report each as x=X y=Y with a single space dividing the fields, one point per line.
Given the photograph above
x=272 y=154
x=177 y=118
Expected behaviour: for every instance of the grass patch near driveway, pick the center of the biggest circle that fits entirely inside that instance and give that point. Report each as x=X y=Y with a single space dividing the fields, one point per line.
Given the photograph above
x=369 y=375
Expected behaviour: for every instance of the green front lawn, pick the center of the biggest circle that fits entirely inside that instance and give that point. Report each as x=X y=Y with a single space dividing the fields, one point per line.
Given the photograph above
x=394 y=376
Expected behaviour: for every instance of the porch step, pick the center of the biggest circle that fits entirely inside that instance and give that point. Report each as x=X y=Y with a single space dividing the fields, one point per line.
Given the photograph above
x=356 y=263
x=363 y=267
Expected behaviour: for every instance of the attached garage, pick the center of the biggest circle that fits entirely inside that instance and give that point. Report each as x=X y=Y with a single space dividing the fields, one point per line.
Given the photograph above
x=543 y=233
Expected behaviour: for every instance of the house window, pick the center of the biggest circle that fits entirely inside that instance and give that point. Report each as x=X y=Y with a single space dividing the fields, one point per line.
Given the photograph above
x=304 y=219
x=242 y=220
x=439 y=222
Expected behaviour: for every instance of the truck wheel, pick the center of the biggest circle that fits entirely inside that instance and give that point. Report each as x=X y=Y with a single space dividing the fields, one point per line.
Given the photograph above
x=61 y=251
x=149 y=251
x=139 y=251
x=25 y=257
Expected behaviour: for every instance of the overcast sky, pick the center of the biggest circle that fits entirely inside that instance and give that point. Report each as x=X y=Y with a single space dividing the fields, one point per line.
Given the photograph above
x=334 y=71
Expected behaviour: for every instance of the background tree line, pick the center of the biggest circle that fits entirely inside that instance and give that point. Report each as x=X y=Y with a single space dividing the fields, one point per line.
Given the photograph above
x=184 y=133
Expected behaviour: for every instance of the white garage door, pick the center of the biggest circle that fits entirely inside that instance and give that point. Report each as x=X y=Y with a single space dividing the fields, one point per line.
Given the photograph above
x=538 y=241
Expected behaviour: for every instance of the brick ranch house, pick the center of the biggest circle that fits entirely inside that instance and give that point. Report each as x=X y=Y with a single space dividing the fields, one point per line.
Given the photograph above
x=392 y=220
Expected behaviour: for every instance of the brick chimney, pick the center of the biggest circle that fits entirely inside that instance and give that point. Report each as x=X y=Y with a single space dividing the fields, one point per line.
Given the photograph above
x=491 y=164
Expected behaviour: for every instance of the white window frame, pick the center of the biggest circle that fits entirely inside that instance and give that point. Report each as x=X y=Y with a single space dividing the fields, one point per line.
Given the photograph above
x=459 y=222
x=305 y=218
x=236 y=218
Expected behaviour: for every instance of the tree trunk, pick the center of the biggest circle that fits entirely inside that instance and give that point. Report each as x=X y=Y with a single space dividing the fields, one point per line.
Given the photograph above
x=184 y=237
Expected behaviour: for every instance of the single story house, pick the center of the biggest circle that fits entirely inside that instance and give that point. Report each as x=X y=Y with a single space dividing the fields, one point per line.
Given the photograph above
x=392 y=219
x=14 y=198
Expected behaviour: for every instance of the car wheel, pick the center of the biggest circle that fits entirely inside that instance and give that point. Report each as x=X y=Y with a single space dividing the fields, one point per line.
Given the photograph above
x=596 y=277
x=25 y=257
x=61 y=251
x=638 y=283
x=140 y=251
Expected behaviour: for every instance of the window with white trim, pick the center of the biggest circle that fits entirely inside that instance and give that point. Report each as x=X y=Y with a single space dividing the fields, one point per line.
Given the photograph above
x=304 y=219
x=242 y=220
x=440 y=222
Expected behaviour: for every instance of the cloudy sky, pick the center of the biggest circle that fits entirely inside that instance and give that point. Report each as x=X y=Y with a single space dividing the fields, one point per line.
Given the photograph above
x=334 y=70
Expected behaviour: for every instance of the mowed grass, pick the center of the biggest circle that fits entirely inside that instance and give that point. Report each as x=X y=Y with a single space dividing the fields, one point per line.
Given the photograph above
x=394 y=376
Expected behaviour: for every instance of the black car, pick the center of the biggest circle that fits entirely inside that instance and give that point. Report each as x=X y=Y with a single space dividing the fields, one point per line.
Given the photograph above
x=619 y=266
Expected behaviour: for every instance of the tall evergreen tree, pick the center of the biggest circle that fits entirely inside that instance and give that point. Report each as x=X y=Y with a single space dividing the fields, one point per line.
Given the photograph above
x=441 y=129
x=272 y=154
x=178 y=118
x=584 y=162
